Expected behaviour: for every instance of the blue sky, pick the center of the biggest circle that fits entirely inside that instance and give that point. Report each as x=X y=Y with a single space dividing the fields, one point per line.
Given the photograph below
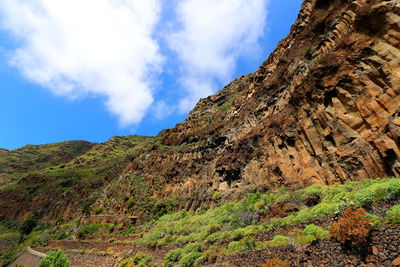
x=135 y=67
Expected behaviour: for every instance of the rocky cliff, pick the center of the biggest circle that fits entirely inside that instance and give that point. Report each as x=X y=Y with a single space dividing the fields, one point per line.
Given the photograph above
x=324 y=108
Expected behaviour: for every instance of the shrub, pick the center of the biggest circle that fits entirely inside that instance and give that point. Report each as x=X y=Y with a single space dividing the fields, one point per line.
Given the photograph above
x=216 y=195
x=190 y=259
x=112 y=240
x=352 y=228
x=193 y=247
x=87 y=230
x=325 y=209
x=278 y=240
x=261 y=206
x=393 y=214
x=316 y=231
x=161 y=207
x=394 y=187
x=304 y=239
x=27 y=226
x=246 y=218
x=374 y=221
x=44 y=238
x=364 y=197
x=276 y=262
x=172 y=257
x=126 y=263
x=212 y=253
x=142 y=259
x=55 y=259
x=98 y=210
x=245 y=244
x=213 y=228
x=131 y=202
x=130 y=230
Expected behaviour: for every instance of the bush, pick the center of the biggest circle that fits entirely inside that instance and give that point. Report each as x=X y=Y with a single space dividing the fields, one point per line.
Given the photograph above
x=245 y=244
x=316 y=231
x=55 y=259
x=193 y=247
x=27 y=226
x=394 y=187
x=364 y=197
x=87 y=230
x=276 y=262
x=393 y=214
x=212 y=253
x=190 y=259
x=216 y=195
x=162 y=207
x=126 y=263
x=172 y=257
x=352 y=228
x=130 y=230
x=278 y=240
x=142 y=259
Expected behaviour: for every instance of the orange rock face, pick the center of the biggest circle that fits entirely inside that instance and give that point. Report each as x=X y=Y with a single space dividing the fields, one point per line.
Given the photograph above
x=324 y=108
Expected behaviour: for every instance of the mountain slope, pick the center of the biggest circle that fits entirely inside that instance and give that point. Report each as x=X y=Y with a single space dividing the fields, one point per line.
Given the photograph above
x=324 y=108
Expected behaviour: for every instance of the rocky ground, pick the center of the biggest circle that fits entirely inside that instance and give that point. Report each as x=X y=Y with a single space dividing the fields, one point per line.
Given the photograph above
x=383 y=250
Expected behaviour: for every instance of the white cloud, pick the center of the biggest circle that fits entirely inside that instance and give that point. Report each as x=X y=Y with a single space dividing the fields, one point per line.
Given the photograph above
x=213 y=35
x=100 y=47
x=107 y=48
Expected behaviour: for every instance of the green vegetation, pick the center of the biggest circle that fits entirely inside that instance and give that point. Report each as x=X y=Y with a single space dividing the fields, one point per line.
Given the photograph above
x=55 y=259
x=26 y=226
x=140 y=259
x=38 y=157
x=316 y=231
x=172 y=257
x=278 y=240
x=88 y=168
x=202 y=236
x=231 y=227
x=393 y=214
x=87 y=230
x=216 y=195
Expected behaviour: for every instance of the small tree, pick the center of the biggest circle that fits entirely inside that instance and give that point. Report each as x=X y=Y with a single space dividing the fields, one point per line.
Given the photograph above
x=27 y=226
x=55 y=259
x=353 y=227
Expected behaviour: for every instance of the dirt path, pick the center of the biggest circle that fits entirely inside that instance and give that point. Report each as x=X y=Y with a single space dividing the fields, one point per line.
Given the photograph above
x=88 y=245
x=28 y=258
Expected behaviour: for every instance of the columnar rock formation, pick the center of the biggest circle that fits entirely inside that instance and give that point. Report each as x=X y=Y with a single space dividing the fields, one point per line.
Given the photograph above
x=324 y=108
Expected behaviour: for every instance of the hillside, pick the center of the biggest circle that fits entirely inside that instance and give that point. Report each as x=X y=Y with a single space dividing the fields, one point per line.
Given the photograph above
x=322 y=109
x=279 y=228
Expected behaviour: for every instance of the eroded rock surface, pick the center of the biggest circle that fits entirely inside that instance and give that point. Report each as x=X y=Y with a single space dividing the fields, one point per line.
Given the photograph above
x=324 y=108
